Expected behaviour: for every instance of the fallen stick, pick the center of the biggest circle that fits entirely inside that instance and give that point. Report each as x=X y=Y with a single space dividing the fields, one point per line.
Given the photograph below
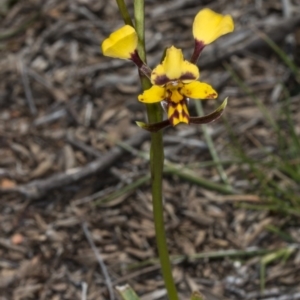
x=39 y=188
x=99 y=258
x=9 y=33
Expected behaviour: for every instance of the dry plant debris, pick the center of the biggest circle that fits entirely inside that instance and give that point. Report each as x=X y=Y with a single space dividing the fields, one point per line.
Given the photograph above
x=65 y=108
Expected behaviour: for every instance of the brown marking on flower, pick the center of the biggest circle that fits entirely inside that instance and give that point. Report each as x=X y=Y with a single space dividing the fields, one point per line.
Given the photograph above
x=171 y=119
x=160 y=79
x=168 y=95
x=181 y=114
x=140 y=64
x=211 y=96
x=188 y=93
x=199 y=46
x=188 y=76
x=136 y=59
x=186 y=115
x=173 y=104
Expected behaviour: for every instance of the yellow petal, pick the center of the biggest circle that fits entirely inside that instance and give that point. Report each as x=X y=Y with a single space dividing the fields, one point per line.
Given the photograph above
x=153 y=95
x=121 y=44
x=199 y=90
x=173 y=63
x=158 y=76
x=190 y=72
x=208 y=26
x=174 y=67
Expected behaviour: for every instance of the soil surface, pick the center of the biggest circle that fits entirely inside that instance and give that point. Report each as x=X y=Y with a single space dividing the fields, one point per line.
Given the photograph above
x=64 y=109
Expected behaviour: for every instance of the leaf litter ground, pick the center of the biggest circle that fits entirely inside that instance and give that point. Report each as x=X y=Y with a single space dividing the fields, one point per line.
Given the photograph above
x=64 y=111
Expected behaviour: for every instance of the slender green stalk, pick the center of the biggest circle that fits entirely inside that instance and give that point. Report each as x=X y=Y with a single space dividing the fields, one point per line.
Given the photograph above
x=211 y=146
x=124 y=12
x=156 y=161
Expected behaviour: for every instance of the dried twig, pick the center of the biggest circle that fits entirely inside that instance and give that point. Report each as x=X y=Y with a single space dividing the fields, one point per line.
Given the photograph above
x=38 y=188
x=6 y=244
x=287 y=8
x=27 y=89
x=14 y=31
x=83 y=147
x=84 y=290
x=100 y=261
x=135 y=274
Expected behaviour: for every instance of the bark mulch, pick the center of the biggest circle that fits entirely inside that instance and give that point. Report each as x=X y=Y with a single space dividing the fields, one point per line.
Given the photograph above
x=64 y=111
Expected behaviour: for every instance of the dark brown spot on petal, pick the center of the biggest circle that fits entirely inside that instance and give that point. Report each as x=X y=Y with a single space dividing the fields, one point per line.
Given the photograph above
x=176 y=114
x=173 y=104
x=168 y=94
x=161 y=80
x=188 y=76
x=185 y=114
x=171 y=119
x=211 y=96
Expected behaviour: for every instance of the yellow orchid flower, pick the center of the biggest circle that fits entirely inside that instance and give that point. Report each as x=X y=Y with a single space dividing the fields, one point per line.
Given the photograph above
x=174 y=81
x=207 y=27
x=122 y=44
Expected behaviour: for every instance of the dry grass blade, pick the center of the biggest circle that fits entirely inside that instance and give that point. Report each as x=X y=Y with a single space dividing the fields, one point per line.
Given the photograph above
x=100 y=261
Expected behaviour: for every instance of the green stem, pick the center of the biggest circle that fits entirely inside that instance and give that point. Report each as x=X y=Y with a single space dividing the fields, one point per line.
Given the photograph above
x=124 y=12
x=154 y=113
